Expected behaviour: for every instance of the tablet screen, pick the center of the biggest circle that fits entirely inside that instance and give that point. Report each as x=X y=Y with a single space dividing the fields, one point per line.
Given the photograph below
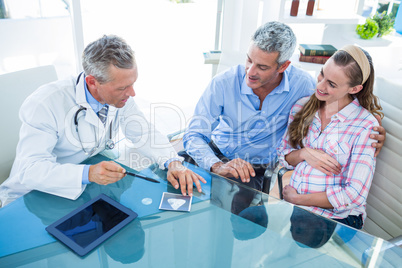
x=91 y=224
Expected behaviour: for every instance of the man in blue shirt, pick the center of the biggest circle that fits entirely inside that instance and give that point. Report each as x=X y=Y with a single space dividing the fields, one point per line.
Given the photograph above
x=243 y=113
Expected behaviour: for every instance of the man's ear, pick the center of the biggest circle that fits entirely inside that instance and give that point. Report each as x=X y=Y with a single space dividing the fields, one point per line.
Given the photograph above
x=284 y=66
x=356 y=89
x=91 y=82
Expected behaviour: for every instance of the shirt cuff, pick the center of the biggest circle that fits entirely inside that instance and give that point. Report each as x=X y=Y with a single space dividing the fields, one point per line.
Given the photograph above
x=171 y=160
x=282 y=160
x=211 y=163
x=85 y=175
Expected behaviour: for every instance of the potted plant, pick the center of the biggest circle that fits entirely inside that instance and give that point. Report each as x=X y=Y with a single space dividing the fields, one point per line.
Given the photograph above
x=367 y=30
x=379 y=25
x=385 y=23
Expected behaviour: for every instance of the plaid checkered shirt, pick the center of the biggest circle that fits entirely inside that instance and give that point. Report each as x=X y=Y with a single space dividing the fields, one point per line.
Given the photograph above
x=345 y=138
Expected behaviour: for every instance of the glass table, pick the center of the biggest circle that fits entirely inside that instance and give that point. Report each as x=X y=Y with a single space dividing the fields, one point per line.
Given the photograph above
x=230 y=225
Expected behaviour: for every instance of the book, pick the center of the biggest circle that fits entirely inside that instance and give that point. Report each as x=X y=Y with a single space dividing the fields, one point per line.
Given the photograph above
x=314 y=59
x=317 y=50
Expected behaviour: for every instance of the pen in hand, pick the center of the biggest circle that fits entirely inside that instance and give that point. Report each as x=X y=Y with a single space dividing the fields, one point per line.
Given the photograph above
x=142 y=177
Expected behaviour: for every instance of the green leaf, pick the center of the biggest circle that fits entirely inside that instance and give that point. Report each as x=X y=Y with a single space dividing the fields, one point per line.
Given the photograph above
x=385 y=23
x=367 y=30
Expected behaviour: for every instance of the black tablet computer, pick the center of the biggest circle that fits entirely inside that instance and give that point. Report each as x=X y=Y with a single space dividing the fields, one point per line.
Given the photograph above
x=88 y=226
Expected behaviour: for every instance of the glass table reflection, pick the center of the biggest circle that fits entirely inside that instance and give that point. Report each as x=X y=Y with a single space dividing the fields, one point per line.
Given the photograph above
x=230 y=225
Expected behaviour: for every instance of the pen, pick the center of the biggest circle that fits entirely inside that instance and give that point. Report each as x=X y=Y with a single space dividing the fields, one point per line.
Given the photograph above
x=142 y=177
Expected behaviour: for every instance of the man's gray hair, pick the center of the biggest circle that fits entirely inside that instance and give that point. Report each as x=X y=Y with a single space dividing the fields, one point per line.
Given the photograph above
x=100 y=54
x=275 y=36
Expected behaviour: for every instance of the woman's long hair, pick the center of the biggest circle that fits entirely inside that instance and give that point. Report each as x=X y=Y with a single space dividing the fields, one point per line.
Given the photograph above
x=299 y=126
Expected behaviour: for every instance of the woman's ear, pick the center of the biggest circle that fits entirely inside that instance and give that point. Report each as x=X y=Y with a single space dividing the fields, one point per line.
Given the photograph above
x=356 y=89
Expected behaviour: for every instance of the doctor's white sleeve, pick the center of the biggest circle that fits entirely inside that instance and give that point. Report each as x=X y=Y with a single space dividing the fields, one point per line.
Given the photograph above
x=36 y=165
x=145 y=138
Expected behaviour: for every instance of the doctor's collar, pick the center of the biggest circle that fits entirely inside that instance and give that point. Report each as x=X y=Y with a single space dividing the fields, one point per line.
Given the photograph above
x=95 y=105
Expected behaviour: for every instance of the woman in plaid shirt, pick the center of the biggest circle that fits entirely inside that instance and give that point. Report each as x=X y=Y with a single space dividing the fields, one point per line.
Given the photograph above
x=328 y=143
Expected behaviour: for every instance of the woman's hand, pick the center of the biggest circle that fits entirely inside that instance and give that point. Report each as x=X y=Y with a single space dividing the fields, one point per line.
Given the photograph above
x=290 y=194
x=319 y=199
x=320 y=160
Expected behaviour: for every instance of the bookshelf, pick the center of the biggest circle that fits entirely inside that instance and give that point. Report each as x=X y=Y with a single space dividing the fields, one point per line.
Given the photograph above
x=347 y=15
x=386 y=51
x=335 y=26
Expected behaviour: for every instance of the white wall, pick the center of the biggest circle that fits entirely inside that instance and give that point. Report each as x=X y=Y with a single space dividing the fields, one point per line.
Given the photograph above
x=28 y=43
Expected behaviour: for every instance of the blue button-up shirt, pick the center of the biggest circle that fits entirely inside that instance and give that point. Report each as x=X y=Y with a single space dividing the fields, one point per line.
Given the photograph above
x=228 y=114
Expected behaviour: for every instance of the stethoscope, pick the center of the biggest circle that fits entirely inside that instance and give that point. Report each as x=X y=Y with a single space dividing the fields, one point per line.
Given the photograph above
x=109 y=145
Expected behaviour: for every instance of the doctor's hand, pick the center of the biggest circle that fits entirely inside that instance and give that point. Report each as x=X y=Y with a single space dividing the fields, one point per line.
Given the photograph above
x=179 y=174
x=235 y=168
x=106 y=172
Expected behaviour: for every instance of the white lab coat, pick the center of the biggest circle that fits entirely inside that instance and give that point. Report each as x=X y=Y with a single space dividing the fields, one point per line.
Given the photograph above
x=49 y=151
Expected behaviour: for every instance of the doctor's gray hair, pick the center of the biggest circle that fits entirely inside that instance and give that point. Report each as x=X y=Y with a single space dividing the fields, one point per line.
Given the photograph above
x=109 y=49
x=275 y=36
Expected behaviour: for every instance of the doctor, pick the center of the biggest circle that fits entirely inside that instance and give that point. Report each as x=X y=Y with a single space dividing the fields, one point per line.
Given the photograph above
x=68 y=121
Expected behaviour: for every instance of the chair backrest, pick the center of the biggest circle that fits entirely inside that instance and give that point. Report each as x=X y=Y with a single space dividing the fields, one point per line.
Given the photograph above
x=14 y=88
x=384 y=202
